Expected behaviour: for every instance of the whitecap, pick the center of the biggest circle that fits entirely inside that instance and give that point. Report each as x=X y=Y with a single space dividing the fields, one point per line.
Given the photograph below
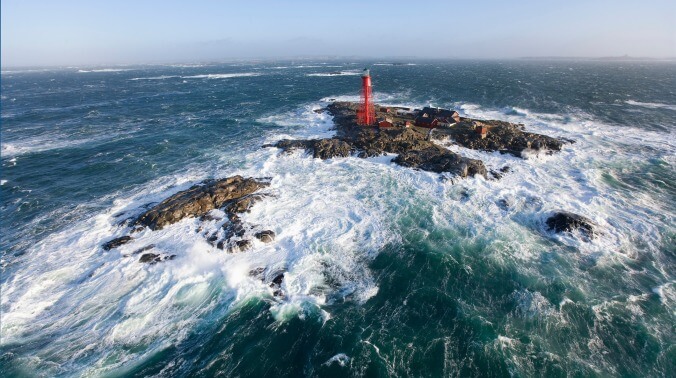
x=222 y=76
x=651 y=105
x=341 y=359
x=100 y=70
x=154 y=77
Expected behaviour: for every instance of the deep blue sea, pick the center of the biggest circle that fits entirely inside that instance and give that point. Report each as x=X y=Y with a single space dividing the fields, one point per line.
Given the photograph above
x=390 y=272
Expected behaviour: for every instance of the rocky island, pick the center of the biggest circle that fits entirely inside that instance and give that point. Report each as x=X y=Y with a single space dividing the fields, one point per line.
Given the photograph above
x=411 y=134
x=232 y=195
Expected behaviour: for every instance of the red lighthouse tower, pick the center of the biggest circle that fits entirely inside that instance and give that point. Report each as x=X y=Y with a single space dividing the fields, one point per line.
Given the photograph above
x=366 y=115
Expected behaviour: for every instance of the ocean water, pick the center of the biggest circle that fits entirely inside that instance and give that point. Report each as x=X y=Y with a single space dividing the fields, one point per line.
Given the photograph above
x=390 y=271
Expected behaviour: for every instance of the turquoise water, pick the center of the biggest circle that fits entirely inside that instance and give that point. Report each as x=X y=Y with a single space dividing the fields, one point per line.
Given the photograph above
x=390 y=271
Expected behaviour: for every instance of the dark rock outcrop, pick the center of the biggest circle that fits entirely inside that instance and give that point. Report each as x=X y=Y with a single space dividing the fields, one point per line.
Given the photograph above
x=276 y=285
x=198 y=200
x=266 y=236
x=150 y=258
x=564 y=221
x=116 y=242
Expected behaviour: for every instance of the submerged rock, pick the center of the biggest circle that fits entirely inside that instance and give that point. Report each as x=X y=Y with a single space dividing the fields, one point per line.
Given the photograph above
x=198 y=200
x=564 y=221
x=116 y=242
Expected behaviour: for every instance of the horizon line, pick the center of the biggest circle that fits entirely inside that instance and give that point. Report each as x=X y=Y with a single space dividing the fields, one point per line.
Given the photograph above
x=386 y=59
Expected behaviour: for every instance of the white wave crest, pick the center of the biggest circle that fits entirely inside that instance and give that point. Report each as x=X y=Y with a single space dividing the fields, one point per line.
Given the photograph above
x=222 y=76
x=338 y=73
x=651 y=105
x=105 y=70
x=154 y=77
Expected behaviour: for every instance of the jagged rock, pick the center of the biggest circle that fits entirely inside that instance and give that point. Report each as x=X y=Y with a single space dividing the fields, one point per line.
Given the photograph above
x=438 y=160
x=116 y=242
x=564 y=221
x=265 y=236
x=198 y=200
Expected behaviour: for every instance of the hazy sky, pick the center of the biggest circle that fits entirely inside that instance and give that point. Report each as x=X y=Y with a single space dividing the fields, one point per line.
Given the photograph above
x=69 y=32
